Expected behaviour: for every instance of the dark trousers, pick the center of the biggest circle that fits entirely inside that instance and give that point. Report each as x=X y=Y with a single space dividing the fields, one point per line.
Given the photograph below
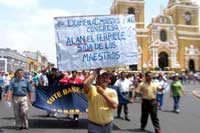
x=1 y=90
x=176 y=102
x=149 y=107
x=119 y=109
x=96 y=128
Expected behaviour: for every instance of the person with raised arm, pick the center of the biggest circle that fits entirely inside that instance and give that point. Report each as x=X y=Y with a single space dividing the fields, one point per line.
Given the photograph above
x=101 y=102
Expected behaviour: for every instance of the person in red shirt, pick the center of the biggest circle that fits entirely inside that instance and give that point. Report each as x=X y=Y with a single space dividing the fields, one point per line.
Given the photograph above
x=65 y=80
x=75 y=79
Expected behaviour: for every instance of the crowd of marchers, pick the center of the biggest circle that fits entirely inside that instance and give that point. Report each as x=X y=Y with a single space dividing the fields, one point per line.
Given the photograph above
x=148 y=87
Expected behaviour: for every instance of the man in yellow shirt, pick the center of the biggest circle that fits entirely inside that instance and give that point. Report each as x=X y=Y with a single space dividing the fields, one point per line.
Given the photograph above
x=149 y=103
x=101 y=102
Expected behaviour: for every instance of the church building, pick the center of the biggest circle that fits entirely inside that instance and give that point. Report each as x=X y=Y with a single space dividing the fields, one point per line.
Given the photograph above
x=171 y=41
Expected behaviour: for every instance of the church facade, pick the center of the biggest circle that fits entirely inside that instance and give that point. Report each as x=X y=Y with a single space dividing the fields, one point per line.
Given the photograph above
x=171 y=41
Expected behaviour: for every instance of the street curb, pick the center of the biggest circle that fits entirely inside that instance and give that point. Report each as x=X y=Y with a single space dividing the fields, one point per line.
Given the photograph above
x=196 y=93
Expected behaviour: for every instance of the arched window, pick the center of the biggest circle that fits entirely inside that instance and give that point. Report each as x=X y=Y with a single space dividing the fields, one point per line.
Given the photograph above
x=188 y=18
x=163 y=35
x=131 y=10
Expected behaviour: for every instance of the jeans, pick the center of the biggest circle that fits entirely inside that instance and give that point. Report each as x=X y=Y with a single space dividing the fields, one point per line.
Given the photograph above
x=160 y=100
x=96 y=128
x=176 y=102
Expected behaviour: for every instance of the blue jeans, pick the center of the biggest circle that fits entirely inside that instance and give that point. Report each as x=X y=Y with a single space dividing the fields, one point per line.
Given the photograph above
x=160 y=100
x=96 y=128
x=176 y=102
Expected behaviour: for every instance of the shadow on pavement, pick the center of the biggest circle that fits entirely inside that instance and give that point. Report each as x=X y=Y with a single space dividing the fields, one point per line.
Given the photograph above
x=1 y=130
x=57 y=123
x=7 y=127
x=168 y=111
x=8 y=118
x=138 y=130
x=61 y=123
x=54 y=123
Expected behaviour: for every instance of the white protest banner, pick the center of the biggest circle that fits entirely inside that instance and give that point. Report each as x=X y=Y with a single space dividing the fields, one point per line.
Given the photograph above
x=90 y=42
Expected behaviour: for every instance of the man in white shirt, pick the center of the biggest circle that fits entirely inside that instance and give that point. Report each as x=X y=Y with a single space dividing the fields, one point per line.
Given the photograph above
x=162 y=82
x=6 y=81
x=124 y=84
x=43 y=79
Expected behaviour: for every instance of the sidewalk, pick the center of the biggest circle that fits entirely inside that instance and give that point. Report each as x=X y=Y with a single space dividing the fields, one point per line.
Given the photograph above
x=196 y=93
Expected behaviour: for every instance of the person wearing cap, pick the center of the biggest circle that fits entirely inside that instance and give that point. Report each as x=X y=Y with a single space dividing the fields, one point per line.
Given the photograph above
x=148 y=89
x=176 y=91
x=101 y=102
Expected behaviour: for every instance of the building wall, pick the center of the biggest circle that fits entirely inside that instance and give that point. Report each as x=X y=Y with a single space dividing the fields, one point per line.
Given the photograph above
x=187 y=34
x=13 y=60
x=121 y=7
x=32 y=64
x=36 y=59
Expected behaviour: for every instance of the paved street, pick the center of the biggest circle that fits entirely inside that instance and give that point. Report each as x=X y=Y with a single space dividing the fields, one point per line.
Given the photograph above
x=186 y=122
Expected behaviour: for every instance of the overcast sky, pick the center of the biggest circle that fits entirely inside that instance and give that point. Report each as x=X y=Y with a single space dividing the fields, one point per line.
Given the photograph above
x=28 y=24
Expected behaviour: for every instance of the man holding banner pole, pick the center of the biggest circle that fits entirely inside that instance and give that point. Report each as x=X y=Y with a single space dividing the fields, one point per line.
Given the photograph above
x=53 y=80
x=101 y=102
